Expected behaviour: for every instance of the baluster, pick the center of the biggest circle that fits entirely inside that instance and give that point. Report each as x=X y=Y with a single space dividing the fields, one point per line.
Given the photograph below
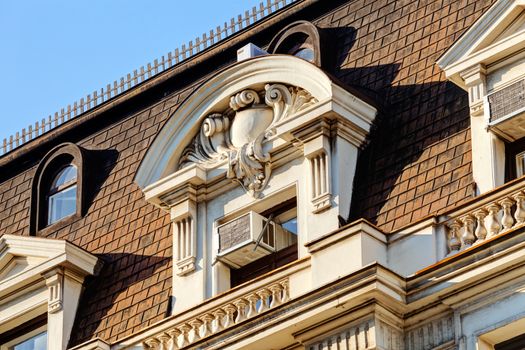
x=219 y=319
x=265 y=295
x=241 y=310
x=151 y=343
x=185 y=332
x=207 y=319
x=507 y=220
x=164 y=340
x=494 y=226
x=276 y=290
x=286 y=290
x=481 y=231
x=196 y=325
x=453 y=242
x=174 y=335
x=468 y=237
x=230 y=312
x=519 y=215
x=252 y=305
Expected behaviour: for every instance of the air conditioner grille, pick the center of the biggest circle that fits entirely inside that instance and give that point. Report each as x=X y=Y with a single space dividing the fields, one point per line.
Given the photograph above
x=507 y=100
x=234 y=232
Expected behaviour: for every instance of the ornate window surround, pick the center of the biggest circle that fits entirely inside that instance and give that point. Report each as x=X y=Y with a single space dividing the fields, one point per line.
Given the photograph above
x=487 y=58
x=262 y=123
x=53 y=161
x=40 y=275
x=298 y=35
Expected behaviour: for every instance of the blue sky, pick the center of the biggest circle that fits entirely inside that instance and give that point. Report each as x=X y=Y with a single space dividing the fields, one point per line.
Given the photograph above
x=56 y=51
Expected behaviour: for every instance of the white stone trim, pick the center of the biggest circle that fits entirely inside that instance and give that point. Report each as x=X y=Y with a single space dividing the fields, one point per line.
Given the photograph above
x=469 y=63
x=51 y=282
x=162 y=156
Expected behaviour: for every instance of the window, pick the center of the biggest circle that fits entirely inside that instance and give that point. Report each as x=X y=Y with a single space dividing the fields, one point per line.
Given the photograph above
x=37 y=342
x=62 y=196
x=284 y=220
x=520 y=164
x=301 y=39
x=516 y=343
x=27 y=337
x=57 y=190
x=306 y=53
x=515 y=159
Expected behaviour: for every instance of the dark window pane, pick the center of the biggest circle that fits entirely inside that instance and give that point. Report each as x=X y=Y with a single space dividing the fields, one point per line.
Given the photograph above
x=305 y=53
x=62 y=204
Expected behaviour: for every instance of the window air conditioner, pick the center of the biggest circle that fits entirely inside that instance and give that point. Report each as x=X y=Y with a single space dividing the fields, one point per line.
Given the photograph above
x=238 y=239
x=507 y=111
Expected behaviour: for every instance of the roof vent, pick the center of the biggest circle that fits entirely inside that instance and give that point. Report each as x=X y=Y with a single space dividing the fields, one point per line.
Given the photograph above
x=249 y=51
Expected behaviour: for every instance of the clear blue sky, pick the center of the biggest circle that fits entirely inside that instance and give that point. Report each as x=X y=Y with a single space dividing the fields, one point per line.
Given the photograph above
x=54 y=52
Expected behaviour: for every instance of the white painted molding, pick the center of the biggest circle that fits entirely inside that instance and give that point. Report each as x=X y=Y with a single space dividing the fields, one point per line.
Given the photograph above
x=163 y=156
x=49 y=279
x=476 y=46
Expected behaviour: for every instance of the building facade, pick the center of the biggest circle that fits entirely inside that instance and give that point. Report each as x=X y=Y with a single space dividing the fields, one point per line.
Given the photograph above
x=313 y=175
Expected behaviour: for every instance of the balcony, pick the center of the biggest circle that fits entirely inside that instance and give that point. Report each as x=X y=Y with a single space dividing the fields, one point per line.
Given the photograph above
x=486 y=217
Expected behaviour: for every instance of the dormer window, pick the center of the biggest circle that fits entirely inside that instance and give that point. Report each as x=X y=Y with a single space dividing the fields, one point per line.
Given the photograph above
x=262 y=137
x=301 y=39
x=57 y=191
x=306 y=53
x=62 y=196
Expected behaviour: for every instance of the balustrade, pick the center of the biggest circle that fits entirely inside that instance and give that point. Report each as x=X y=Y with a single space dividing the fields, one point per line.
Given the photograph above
x=490 y=219
x=227 y=315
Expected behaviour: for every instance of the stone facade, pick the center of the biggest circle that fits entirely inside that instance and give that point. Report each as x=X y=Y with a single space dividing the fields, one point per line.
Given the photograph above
x=414 y=167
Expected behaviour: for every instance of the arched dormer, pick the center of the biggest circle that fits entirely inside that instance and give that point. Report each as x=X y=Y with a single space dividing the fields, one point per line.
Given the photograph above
x=301 y=39
x=57 y=189
x=267 y=144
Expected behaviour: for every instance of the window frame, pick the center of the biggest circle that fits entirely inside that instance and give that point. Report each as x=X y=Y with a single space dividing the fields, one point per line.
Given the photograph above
x=296 y=36
x=60 y=189
x=9 y=345
x=50 y=166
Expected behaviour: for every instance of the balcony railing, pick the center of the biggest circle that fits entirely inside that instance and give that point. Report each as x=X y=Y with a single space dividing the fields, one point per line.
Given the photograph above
x=223 y=311
x=487 y=216
x=224 y=316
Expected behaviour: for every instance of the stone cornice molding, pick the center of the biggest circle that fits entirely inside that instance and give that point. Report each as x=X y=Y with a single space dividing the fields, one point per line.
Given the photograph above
x=38 y=274
x=481 y=44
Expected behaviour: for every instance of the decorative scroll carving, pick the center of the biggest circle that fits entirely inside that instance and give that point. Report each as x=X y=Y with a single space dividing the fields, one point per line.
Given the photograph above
x=237 y=135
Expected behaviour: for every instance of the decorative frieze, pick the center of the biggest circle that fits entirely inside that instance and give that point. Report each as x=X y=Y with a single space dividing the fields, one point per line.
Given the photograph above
x=370 y=334
x=431 y=335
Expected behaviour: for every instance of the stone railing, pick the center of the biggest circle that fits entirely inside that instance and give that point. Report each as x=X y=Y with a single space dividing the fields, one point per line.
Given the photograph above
x=485 y=217
x=225 y=315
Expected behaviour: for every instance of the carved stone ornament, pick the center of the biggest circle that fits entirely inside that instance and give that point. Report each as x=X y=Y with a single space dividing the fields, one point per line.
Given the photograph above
x=237 y=135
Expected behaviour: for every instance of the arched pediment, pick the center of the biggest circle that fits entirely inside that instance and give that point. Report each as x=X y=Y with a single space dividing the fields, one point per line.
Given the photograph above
x=279 y=86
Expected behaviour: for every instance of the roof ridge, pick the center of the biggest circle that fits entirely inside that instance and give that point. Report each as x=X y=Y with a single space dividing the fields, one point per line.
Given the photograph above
x=179 y=55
